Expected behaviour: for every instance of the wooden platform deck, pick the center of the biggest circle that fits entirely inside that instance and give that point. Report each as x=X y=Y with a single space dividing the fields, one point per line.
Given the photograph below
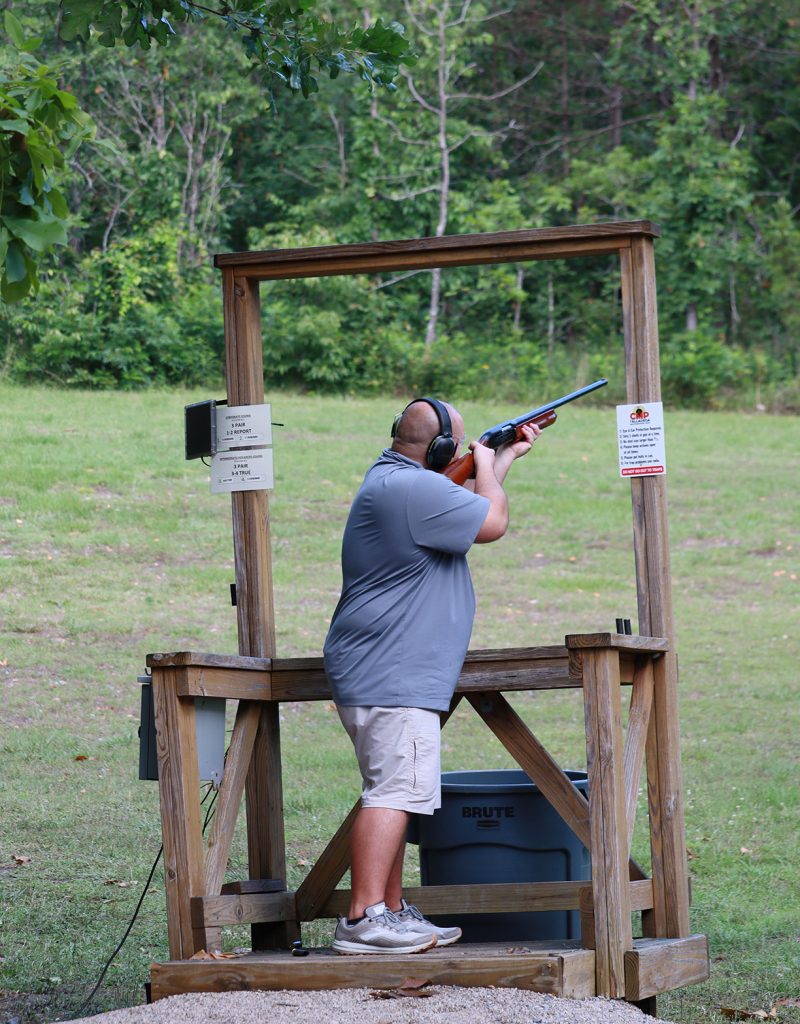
x=559 y=968
x=555 y=967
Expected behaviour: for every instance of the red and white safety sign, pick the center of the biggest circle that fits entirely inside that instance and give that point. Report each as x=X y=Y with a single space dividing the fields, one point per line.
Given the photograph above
x=640 y=433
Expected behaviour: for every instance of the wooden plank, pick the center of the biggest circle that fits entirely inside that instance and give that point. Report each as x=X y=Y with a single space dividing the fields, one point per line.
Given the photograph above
x=296 y=679
x=608 y=827
x=230 y=683
x=532 y=757
x=266 y=843
x=654 y=589
x=250 y=512
x=616 y=642
x=563 y=241
x=660 y=965
x=556 y=968
x=181 y=826
x=174 y=659
x=553 y=652
x=483 y=898
x=312 y=684
x=578 y=976
x=252 y=908
x=237 y=762
x=415 y=259
x=247 y=886
x=641 y=899
x=328 y=870
x=665 y=794
x=254 y=598
x=628 y=646
x=636 y=738
x=627 y=665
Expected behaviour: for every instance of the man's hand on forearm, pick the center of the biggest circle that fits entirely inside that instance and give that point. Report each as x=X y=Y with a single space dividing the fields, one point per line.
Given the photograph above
x=509 y=452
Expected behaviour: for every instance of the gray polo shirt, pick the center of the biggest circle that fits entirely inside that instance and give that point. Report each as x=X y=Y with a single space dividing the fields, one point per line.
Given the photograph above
x=402 y=625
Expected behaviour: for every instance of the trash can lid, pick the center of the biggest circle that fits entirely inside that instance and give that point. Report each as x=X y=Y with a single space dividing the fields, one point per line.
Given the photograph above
x=500 y=780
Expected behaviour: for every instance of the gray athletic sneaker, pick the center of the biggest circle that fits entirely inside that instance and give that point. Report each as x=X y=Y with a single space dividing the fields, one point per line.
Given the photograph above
x=412 y=918
x=381 y=932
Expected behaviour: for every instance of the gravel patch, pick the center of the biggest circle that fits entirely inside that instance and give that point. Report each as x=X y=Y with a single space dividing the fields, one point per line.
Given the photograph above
x=445 y=1005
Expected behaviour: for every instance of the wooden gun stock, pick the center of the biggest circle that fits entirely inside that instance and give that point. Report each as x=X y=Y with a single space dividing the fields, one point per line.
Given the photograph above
x=463 y=469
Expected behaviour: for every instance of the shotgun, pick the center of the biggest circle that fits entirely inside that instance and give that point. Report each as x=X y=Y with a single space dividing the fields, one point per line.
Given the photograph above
x=461 y=470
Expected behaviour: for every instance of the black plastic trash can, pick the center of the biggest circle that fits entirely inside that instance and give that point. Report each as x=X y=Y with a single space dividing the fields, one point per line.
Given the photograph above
x=495 y=826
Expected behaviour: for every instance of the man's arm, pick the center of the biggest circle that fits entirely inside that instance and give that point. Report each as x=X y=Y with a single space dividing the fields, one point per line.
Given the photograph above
x=509 y=452
x=488 y=486
x=490 y=471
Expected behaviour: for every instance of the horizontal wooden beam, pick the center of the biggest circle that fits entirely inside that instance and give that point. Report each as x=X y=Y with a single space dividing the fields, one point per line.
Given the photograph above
x=450 y=250
x=627 y=646
x=616 y=641
x=303 y=679
x=247 y=908
x=483 y=898
x=497 y=897
x=660 y=965
x=554 y=967
x=246 y=886
x=503 y=897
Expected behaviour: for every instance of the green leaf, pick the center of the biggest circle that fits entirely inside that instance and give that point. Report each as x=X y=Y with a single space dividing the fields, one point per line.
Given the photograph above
x=14 y=291
x=74 y=26
x=22 y=127
x=38 y=234
x=16 y=268
x=58 y=203
x=14 y=29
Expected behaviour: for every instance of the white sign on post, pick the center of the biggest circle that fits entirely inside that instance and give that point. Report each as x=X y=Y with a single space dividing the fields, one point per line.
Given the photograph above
x=640 y=430
x=240 y=462
x=243 y=426
x=242 y=471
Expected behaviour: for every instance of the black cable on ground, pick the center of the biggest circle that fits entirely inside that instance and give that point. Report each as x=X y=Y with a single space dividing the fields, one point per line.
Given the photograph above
x=110 y=960
x=93 y=993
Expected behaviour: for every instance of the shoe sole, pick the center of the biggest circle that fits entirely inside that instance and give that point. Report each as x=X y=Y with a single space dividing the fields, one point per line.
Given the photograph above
x=360 y=948
x=447 y=942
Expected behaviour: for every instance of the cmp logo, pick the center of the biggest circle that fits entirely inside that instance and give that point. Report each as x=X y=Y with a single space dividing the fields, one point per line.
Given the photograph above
x=639 y=415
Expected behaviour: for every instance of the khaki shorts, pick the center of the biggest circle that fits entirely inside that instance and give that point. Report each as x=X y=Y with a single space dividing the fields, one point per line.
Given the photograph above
x=398 y=753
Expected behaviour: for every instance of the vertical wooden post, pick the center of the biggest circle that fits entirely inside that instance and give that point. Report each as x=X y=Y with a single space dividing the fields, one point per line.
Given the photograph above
x=181 y=827
x=607 y=820
x=254 y=602
x=654 y=589
x=245 y=376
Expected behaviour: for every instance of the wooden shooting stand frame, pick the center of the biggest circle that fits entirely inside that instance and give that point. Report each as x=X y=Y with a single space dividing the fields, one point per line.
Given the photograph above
x=608 y=960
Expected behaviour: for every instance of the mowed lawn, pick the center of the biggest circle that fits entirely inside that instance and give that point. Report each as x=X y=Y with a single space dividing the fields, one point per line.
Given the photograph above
x=111 y=547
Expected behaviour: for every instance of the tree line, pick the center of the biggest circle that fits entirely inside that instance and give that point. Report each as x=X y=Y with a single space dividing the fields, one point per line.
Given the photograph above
x=502 y=117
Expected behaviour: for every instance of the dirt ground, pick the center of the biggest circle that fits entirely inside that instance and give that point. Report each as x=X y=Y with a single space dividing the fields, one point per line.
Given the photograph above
x=432 y=1005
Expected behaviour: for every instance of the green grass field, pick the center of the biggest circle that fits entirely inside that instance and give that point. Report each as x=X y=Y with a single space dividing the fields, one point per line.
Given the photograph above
x=111 y=547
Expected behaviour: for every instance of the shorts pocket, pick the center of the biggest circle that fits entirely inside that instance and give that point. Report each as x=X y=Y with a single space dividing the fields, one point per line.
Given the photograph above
x=425 y=765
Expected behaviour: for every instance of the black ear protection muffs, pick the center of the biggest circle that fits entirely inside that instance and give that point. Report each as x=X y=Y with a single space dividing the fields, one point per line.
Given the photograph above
x=444 y=446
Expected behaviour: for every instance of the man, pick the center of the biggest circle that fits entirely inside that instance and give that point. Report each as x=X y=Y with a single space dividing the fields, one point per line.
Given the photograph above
x=396 y=645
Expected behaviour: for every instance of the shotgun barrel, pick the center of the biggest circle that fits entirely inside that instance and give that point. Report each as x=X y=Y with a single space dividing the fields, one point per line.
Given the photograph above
x=461 y=470
x=502 y=433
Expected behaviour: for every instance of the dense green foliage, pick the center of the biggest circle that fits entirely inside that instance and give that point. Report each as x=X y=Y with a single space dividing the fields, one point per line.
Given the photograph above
x=40 y=126
x=542 y=115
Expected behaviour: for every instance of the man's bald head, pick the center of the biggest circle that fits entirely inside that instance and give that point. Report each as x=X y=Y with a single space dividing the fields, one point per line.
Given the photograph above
x=419 y=425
